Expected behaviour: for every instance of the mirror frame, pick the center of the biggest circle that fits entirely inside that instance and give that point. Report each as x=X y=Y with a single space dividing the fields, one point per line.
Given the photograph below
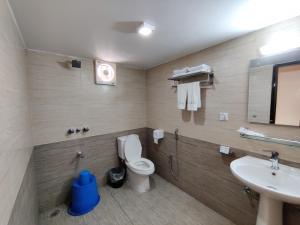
x=278 y=60
x=274 y=88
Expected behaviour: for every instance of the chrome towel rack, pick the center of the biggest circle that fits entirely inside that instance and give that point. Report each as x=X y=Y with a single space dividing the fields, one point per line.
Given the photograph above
x=207 y=83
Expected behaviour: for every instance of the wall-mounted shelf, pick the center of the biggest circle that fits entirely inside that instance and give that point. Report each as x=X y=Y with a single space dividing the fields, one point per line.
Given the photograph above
x=189 y=75
x=207 y=82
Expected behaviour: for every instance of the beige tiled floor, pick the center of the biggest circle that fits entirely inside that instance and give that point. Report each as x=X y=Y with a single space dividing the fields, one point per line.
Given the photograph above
x=165 y=204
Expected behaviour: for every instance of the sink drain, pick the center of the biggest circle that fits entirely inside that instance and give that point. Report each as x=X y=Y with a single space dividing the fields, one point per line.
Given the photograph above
x=55 y=213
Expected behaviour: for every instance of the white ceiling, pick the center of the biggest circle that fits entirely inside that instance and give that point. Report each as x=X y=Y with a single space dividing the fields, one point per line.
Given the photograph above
x=105 y=29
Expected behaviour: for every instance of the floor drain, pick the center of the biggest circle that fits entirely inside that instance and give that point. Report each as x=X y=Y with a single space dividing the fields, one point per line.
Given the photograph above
x=55 y=213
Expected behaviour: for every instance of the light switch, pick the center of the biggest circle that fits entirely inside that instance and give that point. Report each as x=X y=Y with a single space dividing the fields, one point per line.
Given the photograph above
x=223 y=116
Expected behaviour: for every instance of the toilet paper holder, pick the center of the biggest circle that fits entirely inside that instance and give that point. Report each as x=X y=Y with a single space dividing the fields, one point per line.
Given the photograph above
x=157 y=135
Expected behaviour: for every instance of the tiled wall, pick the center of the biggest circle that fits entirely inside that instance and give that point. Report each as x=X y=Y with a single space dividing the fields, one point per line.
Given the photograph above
x=200 y=170
x=64 y=97
x=26 y=206
x=56 y=164
x=230 y=61
x=15 y=139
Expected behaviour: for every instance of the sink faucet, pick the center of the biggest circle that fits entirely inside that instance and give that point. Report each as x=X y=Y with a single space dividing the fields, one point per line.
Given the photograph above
x=274 y=160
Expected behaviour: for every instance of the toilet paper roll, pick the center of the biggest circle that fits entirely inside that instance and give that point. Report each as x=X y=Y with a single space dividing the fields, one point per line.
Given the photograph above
x=158 y=134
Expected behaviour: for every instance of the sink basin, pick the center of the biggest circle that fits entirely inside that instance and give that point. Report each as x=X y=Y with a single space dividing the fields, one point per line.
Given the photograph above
x=282 y=184
x=274 y=186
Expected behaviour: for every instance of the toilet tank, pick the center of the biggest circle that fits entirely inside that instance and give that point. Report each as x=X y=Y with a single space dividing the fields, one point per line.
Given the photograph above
x=121 y=143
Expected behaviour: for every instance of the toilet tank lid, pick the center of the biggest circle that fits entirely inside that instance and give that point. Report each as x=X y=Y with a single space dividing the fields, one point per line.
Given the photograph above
x=122 y=138
x=133 y=148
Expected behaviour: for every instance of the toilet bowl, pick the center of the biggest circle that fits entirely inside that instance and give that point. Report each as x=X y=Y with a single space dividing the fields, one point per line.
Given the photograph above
x=138 y=169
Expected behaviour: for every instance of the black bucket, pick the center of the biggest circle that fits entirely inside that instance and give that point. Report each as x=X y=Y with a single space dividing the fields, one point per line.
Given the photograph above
x=116 y=177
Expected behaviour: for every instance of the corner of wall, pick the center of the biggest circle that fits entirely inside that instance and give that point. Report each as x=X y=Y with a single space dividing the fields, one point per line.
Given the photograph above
x=16 y=23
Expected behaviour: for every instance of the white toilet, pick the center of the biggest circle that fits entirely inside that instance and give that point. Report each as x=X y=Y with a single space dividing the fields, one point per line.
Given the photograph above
x=138 y=169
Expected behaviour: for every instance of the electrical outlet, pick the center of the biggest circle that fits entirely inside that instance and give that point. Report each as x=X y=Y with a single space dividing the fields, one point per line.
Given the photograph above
x=223 y=116
x=224 y=149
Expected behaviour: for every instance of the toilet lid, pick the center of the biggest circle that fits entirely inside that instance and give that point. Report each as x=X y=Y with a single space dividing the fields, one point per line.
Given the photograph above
x=133 y=148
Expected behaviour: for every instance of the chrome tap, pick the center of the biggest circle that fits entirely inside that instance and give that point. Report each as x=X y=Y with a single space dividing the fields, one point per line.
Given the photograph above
x=80 y=155
x=274 y=160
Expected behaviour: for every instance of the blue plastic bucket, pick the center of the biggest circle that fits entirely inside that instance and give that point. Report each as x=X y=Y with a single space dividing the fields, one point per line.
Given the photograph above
x=85 y=194
x=84 y=177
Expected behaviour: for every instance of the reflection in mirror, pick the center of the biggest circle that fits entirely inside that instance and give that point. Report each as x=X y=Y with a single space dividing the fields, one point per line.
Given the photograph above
x=260 y=89
x=286 y=94
x=274 y=90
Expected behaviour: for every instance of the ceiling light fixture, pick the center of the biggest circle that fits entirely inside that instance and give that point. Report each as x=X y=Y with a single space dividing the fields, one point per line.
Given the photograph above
x=145 y=29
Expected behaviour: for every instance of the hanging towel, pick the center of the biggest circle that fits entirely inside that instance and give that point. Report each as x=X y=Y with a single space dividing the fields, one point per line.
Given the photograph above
x=181 y=95
x=194 y=96
x=197 y=91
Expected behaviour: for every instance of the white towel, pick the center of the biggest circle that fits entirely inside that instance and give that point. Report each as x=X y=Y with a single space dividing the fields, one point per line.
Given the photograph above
x=247 y=131
x=197 y=91
x=201 y=68
x=181 y=95
x=194 y=96
x=179 y=72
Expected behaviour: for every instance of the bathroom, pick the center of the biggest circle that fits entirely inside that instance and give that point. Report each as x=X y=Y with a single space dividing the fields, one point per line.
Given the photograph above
x=62 y=113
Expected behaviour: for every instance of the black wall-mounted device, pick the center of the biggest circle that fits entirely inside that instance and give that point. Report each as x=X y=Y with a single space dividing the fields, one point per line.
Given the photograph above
x=76 y=63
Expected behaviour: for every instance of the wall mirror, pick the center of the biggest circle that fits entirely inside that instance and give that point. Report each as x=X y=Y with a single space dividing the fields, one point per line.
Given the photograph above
x=274 y=90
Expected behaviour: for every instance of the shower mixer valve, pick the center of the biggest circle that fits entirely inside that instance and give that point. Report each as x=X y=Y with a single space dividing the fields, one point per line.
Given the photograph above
x=71 y=131
x=77 y=130
x=85 y=129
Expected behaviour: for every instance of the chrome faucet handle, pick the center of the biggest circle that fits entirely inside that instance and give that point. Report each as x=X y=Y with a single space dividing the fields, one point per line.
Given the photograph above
x=85 y=129
x=273 y=159
x=70 y=131
x=80 y=155
x=274 y=155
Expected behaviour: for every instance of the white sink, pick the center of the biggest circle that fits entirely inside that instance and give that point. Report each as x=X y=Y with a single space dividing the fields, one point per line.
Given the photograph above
x=274 y=186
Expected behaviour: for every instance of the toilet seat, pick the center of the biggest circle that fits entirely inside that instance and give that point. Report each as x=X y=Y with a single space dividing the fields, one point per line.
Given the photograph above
x=142 y=166
x=133 y=156
x=132 y=148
